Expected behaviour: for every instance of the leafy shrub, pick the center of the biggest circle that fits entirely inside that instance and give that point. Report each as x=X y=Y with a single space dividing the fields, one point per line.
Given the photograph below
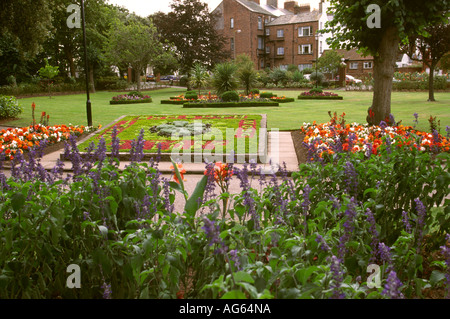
x=254 y=91
x=317 y=77
x=266 y=95
x=297 y=76
x=191 y=92
x=316 y=90
x=135 y=93
x=191 y=96
x=230 y=96
x=9 y=107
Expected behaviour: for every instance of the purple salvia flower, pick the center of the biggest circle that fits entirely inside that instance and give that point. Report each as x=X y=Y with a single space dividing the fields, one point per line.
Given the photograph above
x=384 y=253
x=137 y=148
x=420 y=222
x=405 y=220
x=447 y=129
x=350 y=178
x=445 y=249
x=388 y=143
x=234 y=257
x=374 y=234
x=323 y=244
x=368 y=149
x=212 y=232
x=416 y=119
x=350 y=214
x=337 y=275
x=392 y=287
x=106 y=290
x=115 y=144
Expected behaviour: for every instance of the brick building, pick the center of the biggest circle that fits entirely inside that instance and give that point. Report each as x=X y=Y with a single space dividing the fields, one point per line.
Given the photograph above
x=273 y=36
x=357 y=65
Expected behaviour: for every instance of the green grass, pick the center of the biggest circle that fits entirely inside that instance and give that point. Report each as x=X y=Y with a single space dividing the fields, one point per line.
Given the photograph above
x=71 y=109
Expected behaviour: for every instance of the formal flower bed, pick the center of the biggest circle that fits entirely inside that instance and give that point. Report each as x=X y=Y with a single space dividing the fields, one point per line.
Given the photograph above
x=329 y=138
x=130 y=99
x=320 y=95
x=13 y=140
x=358 y=228
x=212 y=100
x=158 y=130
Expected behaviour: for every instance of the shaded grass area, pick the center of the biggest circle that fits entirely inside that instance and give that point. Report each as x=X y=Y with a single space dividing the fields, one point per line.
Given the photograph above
x=71 y=109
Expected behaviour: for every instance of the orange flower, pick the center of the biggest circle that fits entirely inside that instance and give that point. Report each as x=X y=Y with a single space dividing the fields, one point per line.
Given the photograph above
x=181 y=170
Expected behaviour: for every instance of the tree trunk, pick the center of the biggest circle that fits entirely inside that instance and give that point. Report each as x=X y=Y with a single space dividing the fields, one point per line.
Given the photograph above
x=72 y=68
x=137 y=76
x=384 y=67
x=431 y=84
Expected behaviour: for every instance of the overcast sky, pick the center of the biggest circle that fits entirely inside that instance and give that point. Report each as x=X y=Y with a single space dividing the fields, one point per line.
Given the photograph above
x=147 y=7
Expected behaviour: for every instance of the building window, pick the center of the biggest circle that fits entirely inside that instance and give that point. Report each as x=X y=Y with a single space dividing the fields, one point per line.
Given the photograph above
x=232 y=23
x=367 y=65
x=353 y=65
x=261 y=64
x=260 y=43
x=304 y=31
x=280 y=51
x=305 y=49
x=320 y=48
x=284 y=67
x=280 y=33
x=267 y=49
x=260 y=24
x=267 y=32
x=232 y=44
x=301 y=67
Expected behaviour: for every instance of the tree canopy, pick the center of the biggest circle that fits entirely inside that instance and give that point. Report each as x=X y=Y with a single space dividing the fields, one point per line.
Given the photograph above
x=190 y=28
x=396 y=20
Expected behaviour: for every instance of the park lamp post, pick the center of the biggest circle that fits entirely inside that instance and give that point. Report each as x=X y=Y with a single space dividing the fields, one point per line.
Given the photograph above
x=317 y=36
x=88 y=102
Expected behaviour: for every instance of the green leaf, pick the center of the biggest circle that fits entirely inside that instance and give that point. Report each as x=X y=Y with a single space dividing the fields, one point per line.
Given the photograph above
x=17 y=201
x=178 y=175
x=243 y=276
x=192 y=204
x=234 y=294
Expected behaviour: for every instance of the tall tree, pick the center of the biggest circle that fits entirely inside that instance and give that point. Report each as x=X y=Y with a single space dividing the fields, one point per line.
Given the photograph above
x=27 y=23
x=133 y=43
x=378 y=27
x=329 y=62
x=431 y=47
x=190 y=28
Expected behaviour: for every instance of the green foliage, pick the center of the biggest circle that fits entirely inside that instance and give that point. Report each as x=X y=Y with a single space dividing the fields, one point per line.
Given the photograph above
x=247 y=75
x=316 y=90
x=278 y=76
x=191 y=96
x=9 y=107
x=230 y=96
x=266 y=95
x=48 y=72
x=317 y=77
x=224 y=77
x=135 y=93
x=229 y=104
x=199 y=76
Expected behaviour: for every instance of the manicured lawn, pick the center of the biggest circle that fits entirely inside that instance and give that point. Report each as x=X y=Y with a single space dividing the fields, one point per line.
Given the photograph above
x=71 y=109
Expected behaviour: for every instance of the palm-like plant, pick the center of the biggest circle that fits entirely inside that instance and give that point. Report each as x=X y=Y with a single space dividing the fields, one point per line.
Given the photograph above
x=199 y=76
x=247 y=76
x=224 y=77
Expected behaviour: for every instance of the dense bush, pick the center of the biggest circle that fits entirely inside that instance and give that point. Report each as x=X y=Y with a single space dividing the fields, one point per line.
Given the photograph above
x=9 y=107
x=230 y=96
x=191 y=96
x=266 y=95
x=135 y=93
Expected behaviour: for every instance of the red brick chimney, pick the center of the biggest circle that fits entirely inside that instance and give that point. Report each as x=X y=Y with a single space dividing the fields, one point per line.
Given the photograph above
x=302 y=8
x=290 y=5
x=273 y=3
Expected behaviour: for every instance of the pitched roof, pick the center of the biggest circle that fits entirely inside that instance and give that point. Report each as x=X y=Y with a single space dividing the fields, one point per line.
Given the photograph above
x=254 y=7
x=352 y=55
x=296 y=18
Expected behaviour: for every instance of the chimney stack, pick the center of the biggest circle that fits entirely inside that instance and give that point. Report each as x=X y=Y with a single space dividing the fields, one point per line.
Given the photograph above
x=273 y=3
x=290 y=5
x=302 y=8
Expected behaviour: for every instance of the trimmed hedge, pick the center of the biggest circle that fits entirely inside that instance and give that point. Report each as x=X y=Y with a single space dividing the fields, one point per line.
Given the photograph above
x=301 y=97
x=131 y=101
x=267 y=95
x=286 y=100
x=173 y=102
x=229 y=104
